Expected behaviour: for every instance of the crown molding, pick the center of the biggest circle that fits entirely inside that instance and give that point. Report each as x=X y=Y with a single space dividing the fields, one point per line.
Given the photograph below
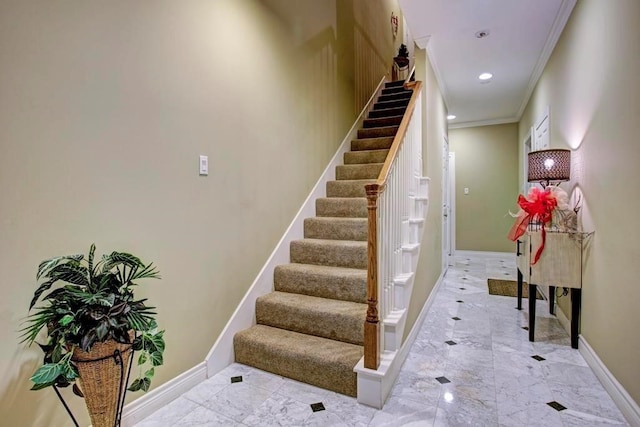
x=502 y=121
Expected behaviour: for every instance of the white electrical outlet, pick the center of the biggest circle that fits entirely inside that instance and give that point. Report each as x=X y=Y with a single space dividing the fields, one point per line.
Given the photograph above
x=204 y=165
x=466 y=190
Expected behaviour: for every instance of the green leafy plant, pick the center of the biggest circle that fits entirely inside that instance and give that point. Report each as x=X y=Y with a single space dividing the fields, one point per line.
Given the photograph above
x=91 y=302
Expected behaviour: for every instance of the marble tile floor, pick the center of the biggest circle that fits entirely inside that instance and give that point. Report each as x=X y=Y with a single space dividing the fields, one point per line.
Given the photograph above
x=471 y=365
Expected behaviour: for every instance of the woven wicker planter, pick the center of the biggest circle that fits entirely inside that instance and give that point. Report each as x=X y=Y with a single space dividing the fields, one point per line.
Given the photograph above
x=101 y=378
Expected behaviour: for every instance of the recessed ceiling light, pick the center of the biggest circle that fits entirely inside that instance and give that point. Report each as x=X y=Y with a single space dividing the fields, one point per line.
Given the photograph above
x=451 y=117
x=485 y=76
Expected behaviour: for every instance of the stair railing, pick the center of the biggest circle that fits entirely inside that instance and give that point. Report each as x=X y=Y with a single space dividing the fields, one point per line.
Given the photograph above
x=388 y=212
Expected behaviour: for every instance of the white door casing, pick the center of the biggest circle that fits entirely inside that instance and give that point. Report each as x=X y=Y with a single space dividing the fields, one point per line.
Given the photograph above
x=446 y=194
x=452 y=206
x=541 y=131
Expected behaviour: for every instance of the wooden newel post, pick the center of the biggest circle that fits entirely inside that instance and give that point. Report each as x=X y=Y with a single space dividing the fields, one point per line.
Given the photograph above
x=371 y=324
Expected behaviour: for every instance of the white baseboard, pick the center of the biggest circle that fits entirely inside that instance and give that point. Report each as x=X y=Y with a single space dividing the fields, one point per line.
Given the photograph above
x=625 y=403
x=159 y=397
x=221 y=354
x=486 y=254
x=374 y=386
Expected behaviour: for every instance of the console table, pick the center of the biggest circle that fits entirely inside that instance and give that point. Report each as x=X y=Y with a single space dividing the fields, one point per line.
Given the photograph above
x=560 y=265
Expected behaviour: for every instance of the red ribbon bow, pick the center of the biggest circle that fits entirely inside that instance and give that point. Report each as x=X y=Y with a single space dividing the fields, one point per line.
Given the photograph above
x=538 y=207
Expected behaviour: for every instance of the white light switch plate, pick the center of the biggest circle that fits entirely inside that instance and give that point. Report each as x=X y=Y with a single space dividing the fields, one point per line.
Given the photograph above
x=466 y=190
x=204 y=165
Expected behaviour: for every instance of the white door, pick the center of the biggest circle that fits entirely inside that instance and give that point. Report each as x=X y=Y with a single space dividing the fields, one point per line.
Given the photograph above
x=452 y=207
x=541 y=132
x=446 y=203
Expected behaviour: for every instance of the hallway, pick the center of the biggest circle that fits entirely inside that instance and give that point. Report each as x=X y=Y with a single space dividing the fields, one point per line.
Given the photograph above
x=471 y=365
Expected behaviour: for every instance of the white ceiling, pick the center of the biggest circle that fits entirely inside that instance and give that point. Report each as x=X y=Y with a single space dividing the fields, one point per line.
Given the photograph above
x=522 y=36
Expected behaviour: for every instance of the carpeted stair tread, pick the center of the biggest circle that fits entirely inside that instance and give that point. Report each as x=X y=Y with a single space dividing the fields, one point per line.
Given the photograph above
x=361 y=171
x=395 y=89
x=351 y=207
x=395 y=96
x=337 y=253
x=377 y=132
x=322 y=317
x=363 y=144
x=318 y=361
x=395 y=83
x=348 y=188
x=391 y=104
x=366 y=156
x=346 y=284
x=382 y=121
x=389 y=112
x=335 y=228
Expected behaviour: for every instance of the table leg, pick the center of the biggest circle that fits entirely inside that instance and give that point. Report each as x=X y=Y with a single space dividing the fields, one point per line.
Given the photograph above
x=576 y=301
x=552 y=300
x=532 y=311
x=519 y=290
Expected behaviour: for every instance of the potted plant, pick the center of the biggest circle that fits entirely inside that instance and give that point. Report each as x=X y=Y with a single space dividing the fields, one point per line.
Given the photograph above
x=93 y=324
x=403 y=52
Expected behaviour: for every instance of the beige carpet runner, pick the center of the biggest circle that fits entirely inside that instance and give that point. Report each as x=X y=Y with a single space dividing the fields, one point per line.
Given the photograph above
x=311 y=327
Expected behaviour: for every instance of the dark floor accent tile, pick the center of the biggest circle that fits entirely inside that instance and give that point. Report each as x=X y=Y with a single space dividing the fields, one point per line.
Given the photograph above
x=460 y=301
x=236 y=379
x=464 y=278
x=456 y=318
x=538 y=358
x=466 y=271
x=450 y=342
x=507 y=274
x=463 y=289
x=316 y=407
x=526 y=328
x=443 y=380
x=557 y=406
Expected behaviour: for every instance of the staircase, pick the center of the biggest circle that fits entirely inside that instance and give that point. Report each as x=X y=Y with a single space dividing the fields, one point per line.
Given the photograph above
x=311 y=328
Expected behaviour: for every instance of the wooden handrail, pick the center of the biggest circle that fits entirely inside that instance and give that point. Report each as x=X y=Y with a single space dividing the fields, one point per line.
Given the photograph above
x=402 y=131
x=372 y=322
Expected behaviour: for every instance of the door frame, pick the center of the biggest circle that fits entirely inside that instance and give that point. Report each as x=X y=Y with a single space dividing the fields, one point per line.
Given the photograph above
x=452 y=206
x=448 y=199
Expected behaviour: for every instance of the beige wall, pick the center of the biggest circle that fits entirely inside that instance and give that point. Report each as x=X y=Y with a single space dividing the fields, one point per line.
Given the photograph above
x=105 y=108
x=591 y=85
x=434 y=130
x=487 y=164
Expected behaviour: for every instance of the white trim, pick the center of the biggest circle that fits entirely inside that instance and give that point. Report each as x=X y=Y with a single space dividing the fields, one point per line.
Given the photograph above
x=221 y=354
x=525 y=160
x=445 y=210
x=159 y=397
x=484 y=123
x=374 y=386
x=422 y=42
x=625 y=402
x=452 y=204
x=486 y=254
x=556 y=30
